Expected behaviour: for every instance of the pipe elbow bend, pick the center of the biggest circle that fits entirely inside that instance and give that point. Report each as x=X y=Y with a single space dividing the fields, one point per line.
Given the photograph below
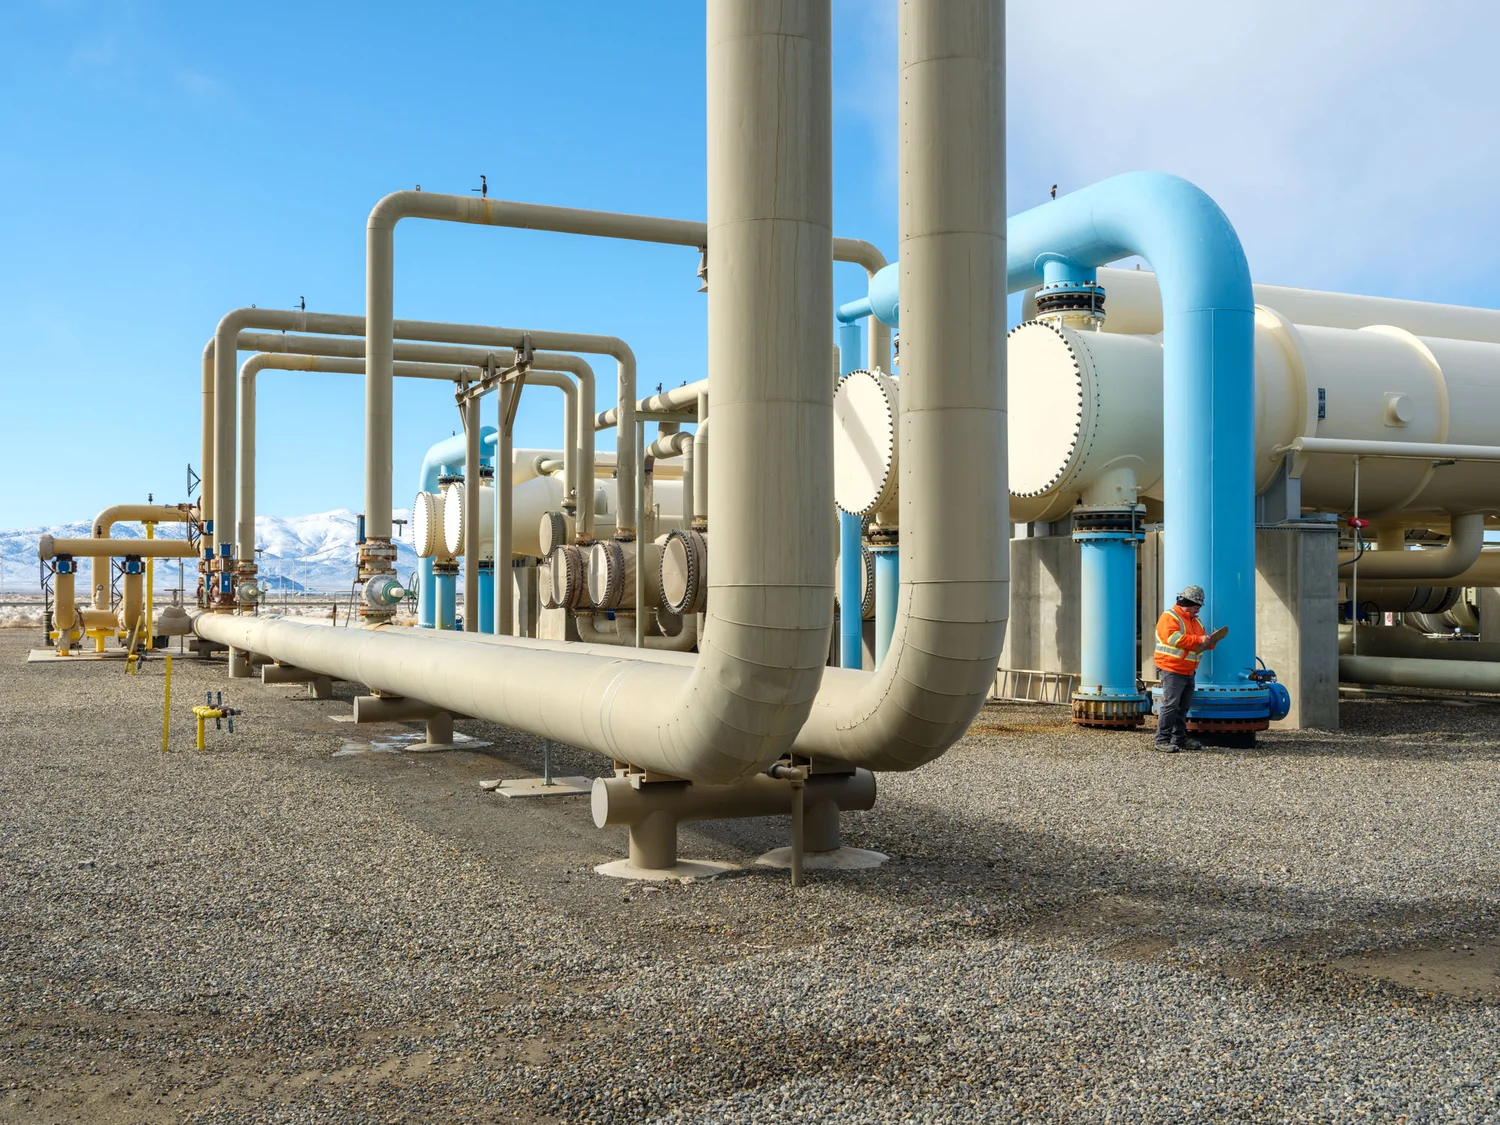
x=389 y=210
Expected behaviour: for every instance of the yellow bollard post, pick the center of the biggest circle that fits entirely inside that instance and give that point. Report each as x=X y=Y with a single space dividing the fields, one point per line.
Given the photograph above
x=166 y=707
x=201 y=719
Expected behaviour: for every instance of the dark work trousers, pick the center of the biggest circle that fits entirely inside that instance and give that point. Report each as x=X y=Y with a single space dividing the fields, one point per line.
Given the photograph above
x=1171 y=715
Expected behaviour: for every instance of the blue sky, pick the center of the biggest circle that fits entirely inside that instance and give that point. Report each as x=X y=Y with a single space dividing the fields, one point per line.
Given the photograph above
x=165 y=162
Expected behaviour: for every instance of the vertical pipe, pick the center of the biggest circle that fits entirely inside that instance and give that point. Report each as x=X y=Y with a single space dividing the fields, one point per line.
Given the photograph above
x=1107 y=688
x=484 y=616
x=504 y=514
x=445 y=590
x=770 y=250
x=380 y=359
x=851 y=568
x=640 y=543
x=887 y=594
x=426 y=605
x=150 y=583
x=245 y=511
x=700 y=466
x=206 y=469
x=472 y=491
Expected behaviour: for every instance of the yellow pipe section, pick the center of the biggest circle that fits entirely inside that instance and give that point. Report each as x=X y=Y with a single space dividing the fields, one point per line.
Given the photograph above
x=150 y=582
x=65 y=616
x=148 y=514
x=50 y=547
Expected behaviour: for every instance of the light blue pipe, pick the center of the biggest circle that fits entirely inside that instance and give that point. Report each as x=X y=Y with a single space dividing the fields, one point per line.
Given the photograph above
x=887 y=590
x=1207 y=383
x=445 y=458
x=855 y=310
x=851 y=567
x=486 y=597
x=1108 y=692
x=446 y=596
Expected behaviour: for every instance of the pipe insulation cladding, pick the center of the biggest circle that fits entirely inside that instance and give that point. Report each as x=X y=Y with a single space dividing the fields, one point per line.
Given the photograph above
x=1082 y=406
x=749 y=695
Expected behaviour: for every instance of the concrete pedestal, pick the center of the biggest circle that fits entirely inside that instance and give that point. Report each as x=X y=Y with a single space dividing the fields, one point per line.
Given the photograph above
x=1296 y=617
x=1045 y=626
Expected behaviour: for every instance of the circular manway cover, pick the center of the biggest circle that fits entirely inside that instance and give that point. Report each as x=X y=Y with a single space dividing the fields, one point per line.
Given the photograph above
x=427 y=525
x=865 y=408
x=453 y=519
x=1044 y=404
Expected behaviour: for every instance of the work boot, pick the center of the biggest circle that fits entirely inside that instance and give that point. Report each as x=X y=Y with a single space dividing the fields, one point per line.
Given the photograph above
x=1192 y=744
x=1165 y=747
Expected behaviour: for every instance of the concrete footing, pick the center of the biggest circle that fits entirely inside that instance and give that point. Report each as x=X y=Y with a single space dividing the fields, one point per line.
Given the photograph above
x=652 y=810
x=399 y=709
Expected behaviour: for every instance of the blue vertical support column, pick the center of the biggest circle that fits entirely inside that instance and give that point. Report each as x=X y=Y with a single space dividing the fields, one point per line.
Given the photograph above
x=851 y=568
x=887 y=590
x=486 y=596
x=1108 y=692
x=445 y=597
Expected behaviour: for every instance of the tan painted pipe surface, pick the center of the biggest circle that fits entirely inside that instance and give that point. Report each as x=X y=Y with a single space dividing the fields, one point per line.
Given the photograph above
x=589 y=632
x=1400 y=641
x=505 y=506
x=735 y=709
x=473 y=490
x=132 y=601
x=700 y=467
x=1422 y=566
x=50 y=547
x=245 y=509
x=379 y=305
x=679 y=400
x=104 y=524
x=413 y=361
x=616 y=801
x=951 y=612
x=65 y=609
x=1402 y=671
x=678 y=445
x=1133 y=305
x=1407 y=450
x=224 y=405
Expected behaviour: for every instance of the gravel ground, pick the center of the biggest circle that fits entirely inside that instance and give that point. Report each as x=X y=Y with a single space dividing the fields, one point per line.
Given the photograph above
x=304 y=925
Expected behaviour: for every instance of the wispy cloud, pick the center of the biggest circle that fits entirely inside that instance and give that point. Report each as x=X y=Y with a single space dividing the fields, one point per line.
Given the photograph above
x=1347 y=141
x=199 y=85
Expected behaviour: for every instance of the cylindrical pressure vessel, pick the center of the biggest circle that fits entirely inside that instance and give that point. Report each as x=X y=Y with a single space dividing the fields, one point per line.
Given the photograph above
x=1083 y=403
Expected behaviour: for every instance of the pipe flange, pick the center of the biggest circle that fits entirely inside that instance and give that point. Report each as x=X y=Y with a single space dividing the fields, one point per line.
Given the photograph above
x=1052 y=404
x=866 y=411
x=1070 y=296
x=684 y=572
x=427 y=525
x=1127 y=518
x=553 y=533
x=867 y=587
x=606 y=577
x=383 y=591
x=568 y=577
x=544 y=583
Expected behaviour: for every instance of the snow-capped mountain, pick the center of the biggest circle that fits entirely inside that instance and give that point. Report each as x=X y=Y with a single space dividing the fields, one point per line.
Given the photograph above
x=315 y=553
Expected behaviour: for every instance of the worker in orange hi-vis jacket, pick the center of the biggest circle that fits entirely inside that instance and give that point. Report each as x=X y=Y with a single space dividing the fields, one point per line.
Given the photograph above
x=1181 y=642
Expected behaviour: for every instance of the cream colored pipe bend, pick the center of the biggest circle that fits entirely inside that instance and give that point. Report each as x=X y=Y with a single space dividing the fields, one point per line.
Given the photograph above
x=104 y=524
x=736 y=708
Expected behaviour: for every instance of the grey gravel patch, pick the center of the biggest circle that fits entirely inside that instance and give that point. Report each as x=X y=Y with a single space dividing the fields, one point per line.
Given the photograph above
x=1071 y=928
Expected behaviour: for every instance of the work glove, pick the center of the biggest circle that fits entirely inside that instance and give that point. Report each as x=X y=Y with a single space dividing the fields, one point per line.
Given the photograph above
x=1213 y=639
